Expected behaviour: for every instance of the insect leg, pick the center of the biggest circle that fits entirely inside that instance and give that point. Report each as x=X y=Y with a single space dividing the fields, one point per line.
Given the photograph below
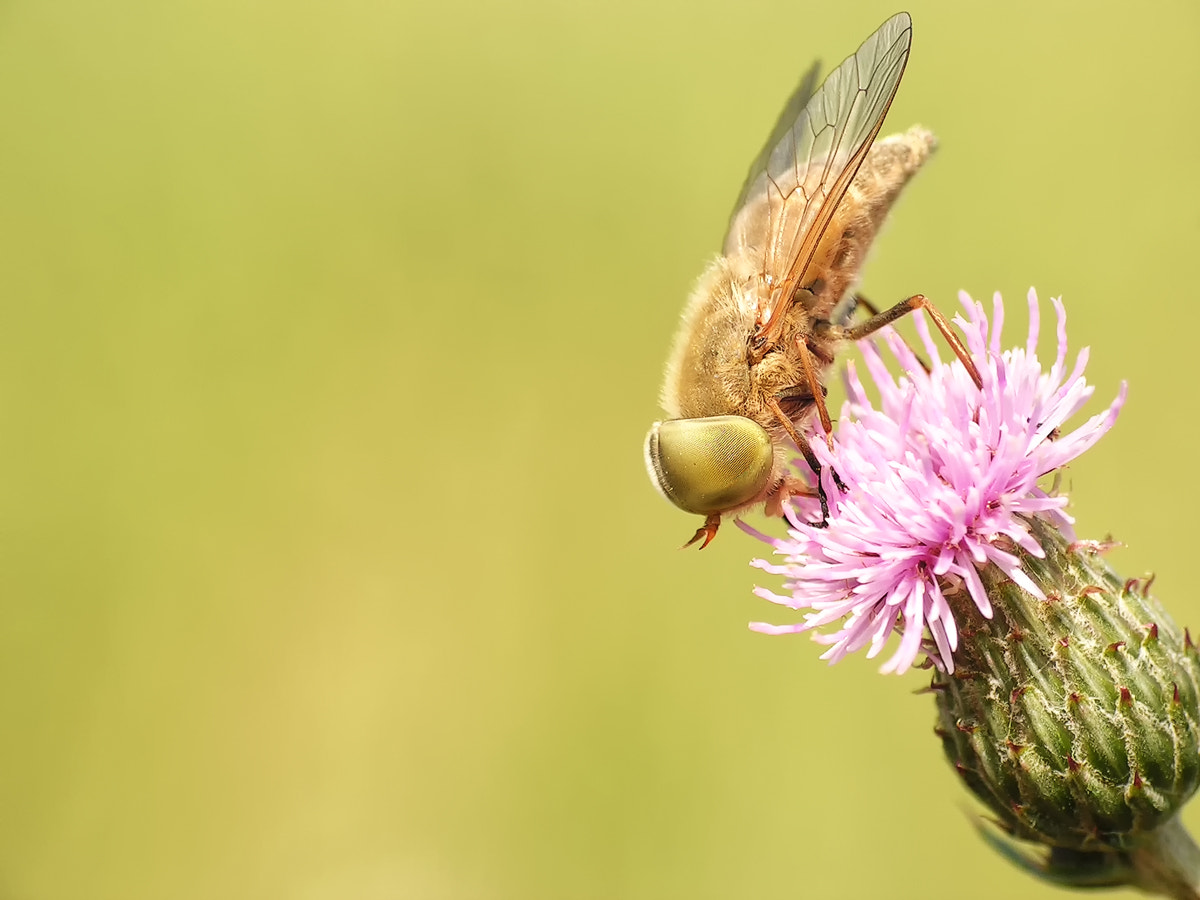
x=806 y=451
x=860 y=300
x=873 y=310
x=816 y=389
x=903 y=308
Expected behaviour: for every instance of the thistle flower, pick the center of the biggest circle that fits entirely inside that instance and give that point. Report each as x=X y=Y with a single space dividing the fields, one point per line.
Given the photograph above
x=941 y=480
x=1068 y=701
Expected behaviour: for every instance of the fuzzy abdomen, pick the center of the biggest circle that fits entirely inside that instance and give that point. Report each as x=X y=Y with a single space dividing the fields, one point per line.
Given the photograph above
x=837 y=264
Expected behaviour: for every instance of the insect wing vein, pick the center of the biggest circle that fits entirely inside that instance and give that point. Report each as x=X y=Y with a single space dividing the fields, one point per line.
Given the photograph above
x=791 y=201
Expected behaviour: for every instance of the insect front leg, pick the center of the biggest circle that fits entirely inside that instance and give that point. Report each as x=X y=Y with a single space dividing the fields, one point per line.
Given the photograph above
x=806 y=451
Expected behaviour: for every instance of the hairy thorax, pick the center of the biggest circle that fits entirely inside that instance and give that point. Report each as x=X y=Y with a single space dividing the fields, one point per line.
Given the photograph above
x=711 y=372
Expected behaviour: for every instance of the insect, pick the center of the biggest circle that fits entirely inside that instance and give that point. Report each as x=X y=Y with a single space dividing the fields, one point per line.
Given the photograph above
x=765 y=321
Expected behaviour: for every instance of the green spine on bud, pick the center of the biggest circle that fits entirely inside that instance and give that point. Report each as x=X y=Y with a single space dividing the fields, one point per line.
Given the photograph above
x=1076 y=719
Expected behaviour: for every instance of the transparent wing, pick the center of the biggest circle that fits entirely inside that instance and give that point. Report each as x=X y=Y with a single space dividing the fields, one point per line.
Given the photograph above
x=787 y=120
x=791 y=198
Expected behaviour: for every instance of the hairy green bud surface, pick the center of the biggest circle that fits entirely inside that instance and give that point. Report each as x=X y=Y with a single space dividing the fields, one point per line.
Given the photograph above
x=1075 y=718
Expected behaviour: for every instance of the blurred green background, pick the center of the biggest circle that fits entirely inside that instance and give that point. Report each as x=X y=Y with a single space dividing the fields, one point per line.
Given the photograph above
x=330 y=334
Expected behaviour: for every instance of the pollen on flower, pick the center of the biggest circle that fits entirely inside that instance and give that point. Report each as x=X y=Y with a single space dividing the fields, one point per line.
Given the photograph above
x=937 y=482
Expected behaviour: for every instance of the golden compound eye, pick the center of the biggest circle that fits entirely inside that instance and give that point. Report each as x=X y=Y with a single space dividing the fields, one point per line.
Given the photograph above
x=709 y=465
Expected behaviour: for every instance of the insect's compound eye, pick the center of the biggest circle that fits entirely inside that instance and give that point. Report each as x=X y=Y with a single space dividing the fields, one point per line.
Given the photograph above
x=709 y=465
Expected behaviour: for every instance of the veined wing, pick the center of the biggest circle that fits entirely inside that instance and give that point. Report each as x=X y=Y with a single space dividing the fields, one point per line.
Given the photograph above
x=790 y=201
x=786 y=122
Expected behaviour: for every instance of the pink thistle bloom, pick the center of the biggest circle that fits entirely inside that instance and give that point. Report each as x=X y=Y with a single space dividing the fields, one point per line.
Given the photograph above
x=940 y=481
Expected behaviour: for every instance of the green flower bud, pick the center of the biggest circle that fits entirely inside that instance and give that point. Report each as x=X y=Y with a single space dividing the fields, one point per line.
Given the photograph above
x=1075 y=719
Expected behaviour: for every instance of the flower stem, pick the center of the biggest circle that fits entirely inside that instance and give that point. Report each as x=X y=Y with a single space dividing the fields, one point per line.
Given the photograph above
x=1167 y=862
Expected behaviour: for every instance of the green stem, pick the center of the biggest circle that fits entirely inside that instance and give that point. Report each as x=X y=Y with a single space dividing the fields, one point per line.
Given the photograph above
x=1167 y=862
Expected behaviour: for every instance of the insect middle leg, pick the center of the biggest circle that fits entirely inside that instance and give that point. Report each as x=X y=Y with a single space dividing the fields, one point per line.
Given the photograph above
x=873 y=310
x=854 y=333
x=904 y=307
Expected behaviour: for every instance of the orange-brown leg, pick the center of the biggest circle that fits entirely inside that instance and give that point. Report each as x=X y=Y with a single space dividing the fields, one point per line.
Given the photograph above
x=806 y=451
x=903 y=308
x=873 y=310
x=816 y=389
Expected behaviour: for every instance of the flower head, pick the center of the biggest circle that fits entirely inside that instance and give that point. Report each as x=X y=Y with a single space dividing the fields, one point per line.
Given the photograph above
x=937 y=483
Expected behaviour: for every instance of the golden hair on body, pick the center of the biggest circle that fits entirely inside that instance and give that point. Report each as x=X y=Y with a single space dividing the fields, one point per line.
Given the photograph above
x=767 y=317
